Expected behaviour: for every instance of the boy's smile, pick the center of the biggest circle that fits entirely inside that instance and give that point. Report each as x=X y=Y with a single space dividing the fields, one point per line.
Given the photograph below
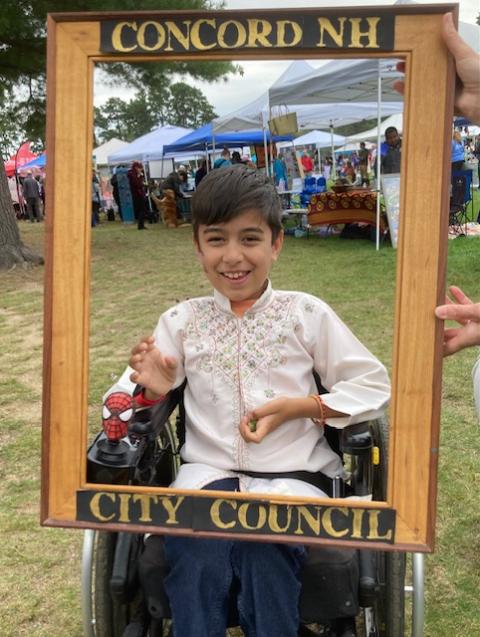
x=237 y=255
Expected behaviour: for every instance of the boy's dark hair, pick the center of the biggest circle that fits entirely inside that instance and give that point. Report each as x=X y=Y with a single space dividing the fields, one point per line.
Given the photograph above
x=226 y=193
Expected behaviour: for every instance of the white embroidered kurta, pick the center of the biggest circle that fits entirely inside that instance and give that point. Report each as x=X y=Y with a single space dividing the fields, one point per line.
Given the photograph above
x=234 y=365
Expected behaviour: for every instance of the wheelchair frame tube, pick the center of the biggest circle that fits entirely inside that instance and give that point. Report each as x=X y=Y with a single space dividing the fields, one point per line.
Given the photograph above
x=86 y=582
x=418 y=596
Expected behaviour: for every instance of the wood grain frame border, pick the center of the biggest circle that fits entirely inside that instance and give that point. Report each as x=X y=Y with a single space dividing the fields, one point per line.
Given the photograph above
x=73 y=48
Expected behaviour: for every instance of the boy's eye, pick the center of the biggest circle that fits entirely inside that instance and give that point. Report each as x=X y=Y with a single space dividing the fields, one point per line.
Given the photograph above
x=213 y=239
x=253 y=239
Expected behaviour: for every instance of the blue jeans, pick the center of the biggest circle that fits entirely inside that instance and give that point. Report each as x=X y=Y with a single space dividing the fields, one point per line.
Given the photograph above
x=204 y=571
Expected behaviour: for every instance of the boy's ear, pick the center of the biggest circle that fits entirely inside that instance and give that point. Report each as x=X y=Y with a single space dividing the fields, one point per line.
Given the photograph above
x=277 y=245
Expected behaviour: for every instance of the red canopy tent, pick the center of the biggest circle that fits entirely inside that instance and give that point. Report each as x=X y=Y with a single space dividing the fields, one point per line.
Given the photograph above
x=23 y=156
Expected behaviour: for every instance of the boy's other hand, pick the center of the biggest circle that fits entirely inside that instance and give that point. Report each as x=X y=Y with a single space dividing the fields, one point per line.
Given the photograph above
x=462 y=310
x=266 y=418
x=153 y=370
x=258 y=423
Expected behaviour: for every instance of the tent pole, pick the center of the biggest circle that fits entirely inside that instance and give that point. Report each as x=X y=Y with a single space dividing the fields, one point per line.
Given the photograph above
x=379 y=163
x=265 y=150
x=334 y=164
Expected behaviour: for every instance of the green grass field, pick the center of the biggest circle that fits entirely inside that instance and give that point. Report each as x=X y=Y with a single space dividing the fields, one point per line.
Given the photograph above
x=135 y=276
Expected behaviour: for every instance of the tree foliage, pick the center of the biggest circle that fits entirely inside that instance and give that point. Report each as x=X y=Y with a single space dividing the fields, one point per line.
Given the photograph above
x=23 y=62
x=179 y=104
x=23 y=39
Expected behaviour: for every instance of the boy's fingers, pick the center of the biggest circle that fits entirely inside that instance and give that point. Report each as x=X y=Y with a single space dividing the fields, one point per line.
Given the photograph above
x=170 y=362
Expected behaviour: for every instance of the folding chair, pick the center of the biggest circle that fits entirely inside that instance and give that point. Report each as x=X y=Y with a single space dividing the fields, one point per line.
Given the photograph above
x=458 y=204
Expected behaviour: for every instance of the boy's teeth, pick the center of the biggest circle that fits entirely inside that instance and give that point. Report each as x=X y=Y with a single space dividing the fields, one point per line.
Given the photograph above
x=234 y=275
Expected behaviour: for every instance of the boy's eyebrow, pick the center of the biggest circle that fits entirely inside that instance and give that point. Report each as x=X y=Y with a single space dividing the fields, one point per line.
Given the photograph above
x=222 y=229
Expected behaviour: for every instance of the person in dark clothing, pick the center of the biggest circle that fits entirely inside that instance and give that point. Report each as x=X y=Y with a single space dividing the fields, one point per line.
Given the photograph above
x=116 y=194
x=392 y=156
x=173 y=194
x=31 y=192
x=363 y=157
x=174 y=182
x=201 y=172
x=136 y=180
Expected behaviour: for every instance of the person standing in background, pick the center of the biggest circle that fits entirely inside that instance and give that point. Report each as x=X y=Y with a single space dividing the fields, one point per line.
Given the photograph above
x=31 y=192
x=458 y=151
x=136 y=180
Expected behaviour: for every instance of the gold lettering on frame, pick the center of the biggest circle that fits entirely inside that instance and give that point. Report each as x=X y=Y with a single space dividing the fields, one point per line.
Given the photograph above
x=145 y=501
x=171 y=508
x=160 y=36
x=373 y=527
x=182 y=38
x=370 y=34
x=95 y=506
x=242 y=517
x=357 y=523
x=241 y=34
x=258 y=31
x=297 y=33
x=273 y=519
x=312 y=521
x=195 y=34
x=117 y=36
x=328 y=523
x=124 y=507
x=325 y=25
x=215 y=514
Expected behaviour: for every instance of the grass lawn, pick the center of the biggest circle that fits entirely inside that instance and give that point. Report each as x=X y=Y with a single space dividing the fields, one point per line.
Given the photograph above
x=135 y=276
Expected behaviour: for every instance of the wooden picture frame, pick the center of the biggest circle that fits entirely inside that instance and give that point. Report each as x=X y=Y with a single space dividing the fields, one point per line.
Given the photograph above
x=74 y=46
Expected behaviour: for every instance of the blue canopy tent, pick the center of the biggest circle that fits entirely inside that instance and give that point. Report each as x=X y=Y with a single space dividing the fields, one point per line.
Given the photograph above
x=204 y=139
x=38 y=162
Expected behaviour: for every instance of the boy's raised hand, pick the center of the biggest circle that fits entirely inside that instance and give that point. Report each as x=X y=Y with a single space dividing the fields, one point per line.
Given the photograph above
x=153 y=370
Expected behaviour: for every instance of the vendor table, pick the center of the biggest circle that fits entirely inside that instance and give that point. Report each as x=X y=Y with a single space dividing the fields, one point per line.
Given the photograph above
x=353 y=206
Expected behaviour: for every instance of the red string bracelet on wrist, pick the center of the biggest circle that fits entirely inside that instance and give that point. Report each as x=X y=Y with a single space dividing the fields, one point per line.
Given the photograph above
x=146 y=402
x=321 y=409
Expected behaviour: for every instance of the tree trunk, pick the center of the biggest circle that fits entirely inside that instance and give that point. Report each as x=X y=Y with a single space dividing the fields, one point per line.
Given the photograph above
x=12 y=251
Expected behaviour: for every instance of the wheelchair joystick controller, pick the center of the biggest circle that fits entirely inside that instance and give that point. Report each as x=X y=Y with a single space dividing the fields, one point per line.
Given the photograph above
x=118 y=411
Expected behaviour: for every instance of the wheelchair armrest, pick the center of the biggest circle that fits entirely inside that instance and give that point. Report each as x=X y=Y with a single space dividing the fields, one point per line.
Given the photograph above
x=150 y=421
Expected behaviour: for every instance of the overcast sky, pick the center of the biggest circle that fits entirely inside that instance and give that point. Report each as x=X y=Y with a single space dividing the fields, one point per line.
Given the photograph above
x=241 y=90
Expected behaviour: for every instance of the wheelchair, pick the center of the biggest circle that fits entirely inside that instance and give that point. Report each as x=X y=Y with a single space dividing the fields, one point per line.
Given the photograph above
x=345 y=592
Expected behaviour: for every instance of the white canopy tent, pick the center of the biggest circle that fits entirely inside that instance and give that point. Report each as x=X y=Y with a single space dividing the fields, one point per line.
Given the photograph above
x=362 y=80
x=149 y=147
x=319 y=138
x=100 y=153
x=255 y=114
x=340 y=81
x=372 y=133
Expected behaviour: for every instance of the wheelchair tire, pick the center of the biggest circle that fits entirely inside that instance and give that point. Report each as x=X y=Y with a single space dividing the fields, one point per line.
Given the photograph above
x=110 y=616
x=390 y=608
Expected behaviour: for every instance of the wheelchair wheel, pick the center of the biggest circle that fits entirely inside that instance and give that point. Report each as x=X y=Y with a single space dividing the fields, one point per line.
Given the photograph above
x=110 y=617
x=112 y=601
x=386 y=618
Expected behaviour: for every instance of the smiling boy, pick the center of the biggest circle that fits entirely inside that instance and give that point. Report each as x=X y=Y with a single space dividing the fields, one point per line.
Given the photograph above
x=248 y=353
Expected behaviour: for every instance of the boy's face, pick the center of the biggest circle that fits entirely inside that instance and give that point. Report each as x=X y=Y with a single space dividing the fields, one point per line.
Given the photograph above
x=237 y=255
